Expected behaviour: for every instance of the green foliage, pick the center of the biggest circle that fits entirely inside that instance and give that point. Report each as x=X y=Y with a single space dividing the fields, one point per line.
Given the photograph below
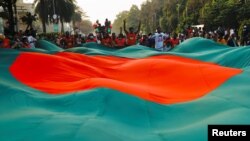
x=176 y=15
x=9 y=6
x=119 y=21
x=146 y=17
x=86 y=26
x=132 y=19
x=64 y=8
x=243 y=23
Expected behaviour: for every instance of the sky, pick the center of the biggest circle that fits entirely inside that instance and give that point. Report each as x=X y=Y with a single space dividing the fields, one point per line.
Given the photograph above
x=102 y=9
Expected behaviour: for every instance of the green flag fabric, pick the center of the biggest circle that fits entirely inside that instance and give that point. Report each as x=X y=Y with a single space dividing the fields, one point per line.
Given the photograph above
x=95 y=93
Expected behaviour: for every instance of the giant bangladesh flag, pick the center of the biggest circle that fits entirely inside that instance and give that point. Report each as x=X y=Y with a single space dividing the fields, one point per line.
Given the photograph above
x=95 y=93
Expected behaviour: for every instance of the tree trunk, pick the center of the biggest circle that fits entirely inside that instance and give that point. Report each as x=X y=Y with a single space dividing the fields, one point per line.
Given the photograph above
x=44 y=15
x=62 y=25
x=73 y=23
x=11 y=18
x=16 y=21
x=44 y=27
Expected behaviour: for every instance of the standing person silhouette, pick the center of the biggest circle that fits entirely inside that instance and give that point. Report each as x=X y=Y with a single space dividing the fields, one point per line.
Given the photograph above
x=97 y=26
x=120 y=41
x=131 y=35
x=159 y=38
x=107 y=26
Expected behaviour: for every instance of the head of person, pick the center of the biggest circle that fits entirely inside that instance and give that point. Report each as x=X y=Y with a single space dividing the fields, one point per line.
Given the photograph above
x=105 y=35
x=106 y=22
x=113 y=35
x=220 y=37
x=67 y=34
x=25 y=39
x=175 y=35
x=1 y=37
x=158 y=30
x=181 y=36
x=131 y=30
x=7 y=24
x=232 y=35
x=120 y=36
x=144 y=36
x=91 y=36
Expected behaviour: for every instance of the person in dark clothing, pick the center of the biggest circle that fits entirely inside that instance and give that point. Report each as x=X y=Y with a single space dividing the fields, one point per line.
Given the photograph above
x=245 y=34
x=232 y=41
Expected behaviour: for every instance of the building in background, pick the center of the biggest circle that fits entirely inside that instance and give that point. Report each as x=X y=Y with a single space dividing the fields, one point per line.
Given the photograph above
x=21 y=8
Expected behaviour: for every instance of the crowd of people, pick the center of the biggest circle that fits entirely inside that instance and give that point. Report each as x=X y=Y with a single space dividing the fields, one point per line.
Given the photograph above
x=162 y=41
x=19 y=40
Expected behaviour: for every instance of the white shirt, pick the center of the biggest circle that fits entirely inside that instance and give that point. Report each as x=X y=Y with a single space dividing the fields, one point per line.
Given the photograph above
x=159 y=40
x=32 y=41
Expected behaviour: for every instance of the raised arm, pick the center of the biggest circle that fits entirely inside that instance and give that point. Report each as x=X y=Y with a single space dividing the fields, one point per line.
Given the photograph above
x=120 y=30
x=139 y=28
x=124 y=27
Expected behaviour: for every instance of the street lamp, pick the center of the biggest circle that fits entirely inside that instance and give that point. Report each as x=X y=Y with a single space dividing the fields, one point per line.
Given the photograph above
x=54 y=18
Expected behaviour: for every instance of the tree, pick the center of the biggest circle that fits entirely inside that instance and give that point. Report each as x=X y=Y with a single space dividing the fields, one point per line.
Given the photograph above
x=119 y=21
x=156 y=7
x=133 y=18
x=171 y=14
x=220 y=13
x=152 y=15
x=146 y=17
x=41 y=10
x=66 y=9
x=78 y=16
x=63 y=8
x=8 y=5
x=175 y=15
x=86 y=26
